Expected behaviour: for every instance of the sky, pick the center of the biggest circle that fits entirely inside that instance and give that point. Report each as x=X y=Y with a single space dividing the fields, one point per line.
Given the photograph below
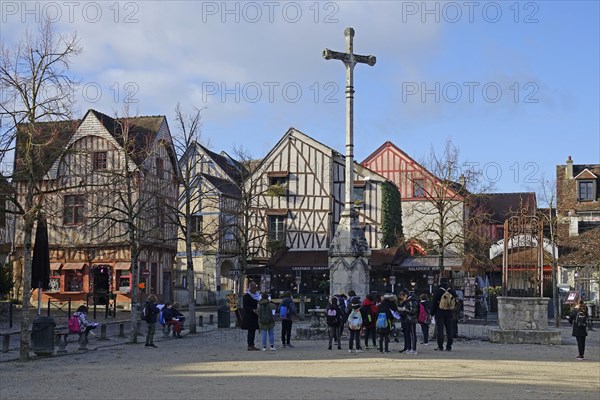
x=513 y=84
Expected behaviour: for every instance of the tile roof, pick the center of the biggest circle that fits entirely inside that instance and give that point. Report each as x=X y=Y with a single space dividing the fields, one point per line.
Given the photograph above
x=500 y=206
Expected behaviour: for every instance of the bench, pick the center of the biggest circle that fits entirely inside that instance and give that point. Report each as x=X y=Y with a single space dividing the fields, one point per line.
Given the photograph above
x=6 y=339
x=60 y=339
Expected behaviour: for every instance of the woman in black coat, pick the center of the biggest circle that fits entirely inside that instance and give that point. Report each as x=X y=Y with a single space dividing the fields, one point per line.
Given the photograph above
x=578 y=318
x=249 y=315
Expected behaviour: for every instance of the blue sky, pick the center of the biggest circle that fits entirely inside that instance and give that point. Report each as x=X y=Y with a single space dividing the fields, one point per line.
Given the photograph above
x=515 y=85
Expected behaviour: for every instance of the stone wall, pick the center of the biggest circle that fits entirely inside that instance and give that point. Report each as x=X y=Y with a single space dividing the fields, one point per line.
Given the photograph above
x=526 y=313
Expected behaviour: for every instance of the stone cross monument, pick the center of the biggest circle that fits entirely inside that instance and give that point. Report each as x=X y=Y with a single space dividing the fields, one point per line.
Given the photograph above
x=349 y=252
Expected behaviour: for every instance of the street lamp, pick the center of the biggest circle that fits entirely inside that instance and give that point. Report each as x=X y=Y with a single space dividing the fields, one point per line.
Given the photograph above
x=298 y=281
x=392 y=282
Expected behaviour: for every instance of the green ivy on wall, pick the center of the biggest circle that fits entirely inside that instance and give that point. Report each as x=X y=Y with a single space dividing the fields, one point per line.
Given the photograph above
x=391 y=224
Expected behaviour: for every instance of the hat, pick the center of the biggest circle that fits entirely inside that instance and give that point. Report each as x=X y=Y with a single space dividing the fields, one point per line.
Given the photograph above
x=390 y=296
x=355 y=300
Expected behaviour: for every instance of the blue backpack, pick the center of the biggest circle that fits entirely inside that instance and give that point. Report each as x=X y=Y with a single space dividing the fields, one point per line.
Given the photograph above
x=283 y=312
x=382 y=321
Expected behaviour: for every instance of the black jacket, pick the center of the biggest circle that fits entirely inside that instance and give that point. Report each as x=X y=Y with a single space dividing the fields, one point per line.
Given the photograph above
x=577 y=330
x=435 y=306
x=249 y=315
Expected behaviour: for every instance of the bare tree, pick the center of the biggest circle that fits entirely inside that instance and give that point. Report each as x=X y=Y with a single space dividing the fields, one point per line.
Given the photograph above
x=443 y=215
x=36 y=87
x=547 y=194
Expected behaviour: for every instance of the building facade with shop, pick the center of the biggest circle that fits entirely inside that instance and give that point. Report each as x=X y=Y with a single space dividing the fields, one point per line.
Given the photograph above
x=106 y=182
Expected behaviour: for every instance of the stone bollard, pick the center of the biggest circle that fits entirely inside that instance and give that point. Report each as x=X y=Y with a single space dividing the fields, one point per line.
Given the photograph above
x=211 y=319
x=121 y=330
x=201 y=321
x=103 y=332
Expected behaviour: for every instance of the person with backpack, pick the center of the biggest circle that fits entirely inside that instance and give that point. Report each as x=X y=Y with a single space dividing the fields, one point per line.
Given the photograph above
x=384 y=319
x=334 y=320
x=424 y=318
x=442 y=307
x=78 y=323
x=354 y=325
x=150 y=315
x=369 y=315
x=266 y=321
x=578 y=318
x=170 y=316
x=287 y=310
x=249 y=314
x=409 y=311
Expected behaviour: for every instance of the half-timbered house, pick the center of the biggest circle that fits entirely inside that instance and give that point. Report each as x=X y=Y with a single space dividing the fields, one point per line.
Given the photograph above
x=109 y=185
x=298 y=196
x=433 y=213
x=214 y=194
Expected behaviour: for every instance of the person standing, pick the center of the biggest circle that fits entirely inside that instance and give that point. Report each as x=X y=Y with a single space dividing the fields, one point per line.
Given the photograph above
x=334 y=320
x=151 y=312
x=266 y=321
x=444 y=303
x=424 y=302
x=384 y=319
x=369 y=315
x=409 y=312
x=578 y=318
x=354 y=325
x=287 y=310
x=249 y=315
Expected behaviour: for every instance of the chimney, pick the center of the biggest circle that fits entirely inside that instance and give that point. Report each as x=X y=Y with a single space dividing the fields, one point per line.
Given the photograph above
x=569 y=168
x=462 y=180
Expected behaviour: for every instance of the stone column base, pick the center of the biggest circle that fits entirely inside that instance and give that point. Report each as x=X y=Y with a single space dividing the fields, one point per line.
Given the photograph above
x=547 y=336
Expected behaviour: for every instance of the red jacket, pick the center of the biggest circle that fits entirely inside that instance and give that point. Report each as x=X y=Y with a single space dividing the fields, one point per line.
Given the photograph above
x=373 y=309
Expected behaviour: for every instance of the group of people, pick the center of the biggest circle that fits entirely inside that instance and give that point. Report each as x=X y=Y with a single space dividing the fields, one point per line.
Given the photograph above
x=167 y=314
x=258 y=313
x=377 y=318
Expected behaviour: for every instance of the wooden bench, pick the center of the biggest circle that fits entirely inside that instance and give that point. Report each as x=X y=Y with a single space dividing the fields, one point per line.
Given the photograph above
x=6 y=339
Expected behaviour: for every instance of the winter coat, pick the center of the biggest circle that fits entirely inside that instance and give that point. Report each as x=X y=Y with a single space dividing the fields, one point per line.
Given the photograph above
x=577 y=330
x=153 y=312
x=411 y=306
x=427 y=306
x=83 y=322
x=372 y=310
x=435 y=306
x=268 y=308
x=338 y=315
x=386 y=306
x=289 y=303
x=249 y=316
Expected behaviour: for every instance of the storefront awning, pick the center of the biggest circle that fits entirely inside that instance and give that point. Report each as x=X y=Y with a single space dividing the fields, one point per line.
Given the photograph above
x=55 y=266
x=430 y=263
x=124 y=266
x=73 y=266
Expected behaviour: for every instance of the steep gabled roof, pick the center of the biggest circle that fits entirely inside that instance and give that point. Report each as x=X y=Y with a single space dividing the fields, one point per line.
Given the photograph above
x=231 y=167
x=47 y=140
x=500 y=206
x=224 y=186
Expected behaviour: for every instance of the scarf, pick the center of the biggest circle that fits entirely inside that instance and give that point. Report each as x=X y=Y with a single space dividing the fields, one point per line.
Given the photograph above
x=256 y=296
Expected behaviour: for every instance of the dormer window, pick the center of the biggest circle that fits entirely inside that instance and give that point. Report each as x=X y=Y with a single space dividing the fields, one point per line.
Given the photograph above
x=586 y=190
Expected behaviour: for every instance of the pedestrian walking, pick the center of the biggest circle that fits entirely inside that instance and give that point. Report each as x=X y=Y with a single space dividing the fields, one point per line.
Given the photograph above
x=249 y=315
x=442 y=307
x=578 y=318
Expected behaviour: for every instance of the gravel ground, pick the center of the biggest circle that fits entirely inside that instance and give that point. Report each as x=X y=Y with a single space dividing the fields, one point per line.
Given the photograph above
x=215 y=364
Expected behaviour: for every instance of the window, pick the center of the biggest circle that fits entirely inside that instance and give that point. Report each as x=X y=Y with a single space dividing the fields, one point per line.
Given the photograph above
x=160 y=168
x=359 y=194
x=124 y=281
x=277 y=228
x=419 y=188
x=585 y=191
x=229 y=224
x=74 y=206
x=159 y=216
x=196 y=224
x=54 y=285
x=278 y=180
x=100 y=162
x=73 y=281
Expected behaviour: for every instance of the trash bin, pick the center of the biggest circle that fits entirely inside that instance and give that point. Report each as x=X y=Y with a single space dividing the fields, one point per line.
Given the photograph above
x=42 y=336
x=223 y=317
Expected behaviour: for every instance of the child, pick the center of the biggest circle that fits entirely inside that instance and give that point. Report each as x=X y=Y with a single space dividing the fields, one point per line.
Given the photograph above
x=578 y=318
x=354 y=325
x=334 y=320
x=85 y=326
x=287 y=310
x=266 y=321
x=424 y=301
x=384 y=321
